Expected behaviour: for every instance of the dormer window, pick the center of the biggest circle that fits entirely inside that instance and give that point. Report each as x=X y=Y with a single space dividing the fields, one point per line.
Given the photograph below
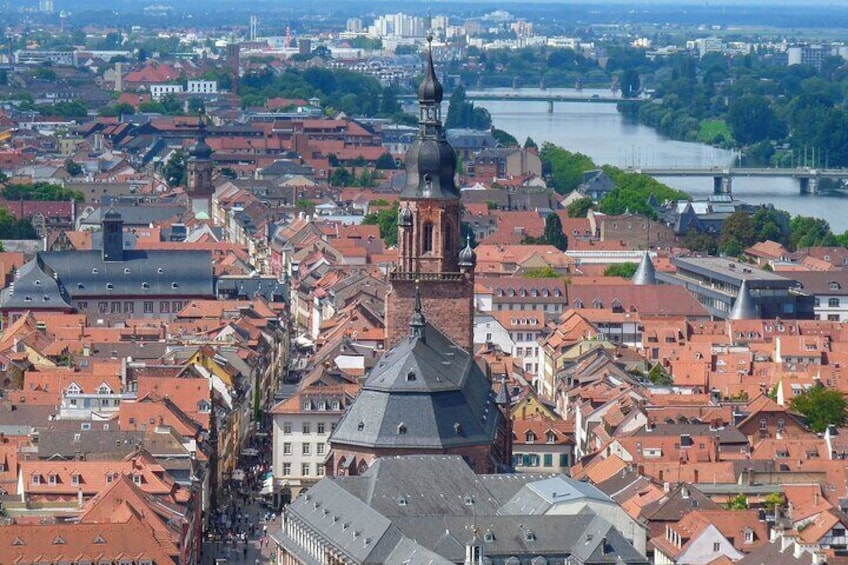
x=489 y=536
x=557 y=292
x=401 y=429
x=145 y=286
x=75 y=479
x=94 y=271
x=36 y=479
x=37 y=282
x=52 y=479
x=126 y=270
x=174 y=285
x=530 y=437
x=529 y=535
x=110 y=286
x=551 y=437
x=307 y=405
x=137 y=479
x=411 y=377
x=749 y=535
x=159 y=270
x=834 y=286
x=360 y=426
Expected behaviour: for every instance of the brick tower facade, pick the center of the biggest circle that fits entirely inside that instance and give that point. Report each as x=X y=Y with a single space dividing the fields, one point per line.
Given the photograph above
x=199 y=168
x=429 y=233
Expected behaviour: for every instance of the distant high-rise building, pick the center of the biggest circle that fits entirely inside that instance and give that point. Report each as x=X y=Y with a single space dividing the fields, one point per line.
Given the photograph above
x=810 y=55
x=354 y=25
x=45 y=6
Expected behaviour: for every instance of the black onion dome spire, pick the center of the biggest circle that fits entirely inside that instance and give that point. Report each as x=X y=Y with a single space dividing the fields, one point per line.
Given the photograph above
x=200 y=149
x=430 y=161
x=431 y=89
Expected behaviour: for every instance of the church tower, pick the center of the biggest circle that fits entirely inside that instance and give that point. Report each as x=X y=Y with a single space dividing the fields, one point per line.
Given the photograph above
x=199 y=171
x=429 y=232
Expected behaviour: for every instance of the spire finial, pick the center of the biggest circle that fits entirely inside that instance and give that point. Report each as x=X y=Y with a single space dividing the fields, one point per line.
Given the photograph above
x=417 y=323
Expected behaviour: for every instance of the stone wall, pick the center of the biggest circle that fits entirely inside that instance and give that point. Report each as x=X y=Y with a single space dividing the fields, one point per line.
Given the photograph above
x=446 y=304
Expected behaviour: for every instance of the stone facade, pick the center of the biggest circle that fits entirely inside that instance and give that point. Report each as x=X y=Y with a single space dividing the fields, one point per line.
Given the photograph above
x=447 y=300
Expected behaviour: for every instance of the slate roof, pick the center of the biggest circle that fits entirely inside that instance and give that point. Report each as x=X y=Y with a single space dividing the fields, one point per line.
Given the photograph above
x=135 y=215
x=390 y=510
x=165 y=273
x=426 y=392
x=36 y=286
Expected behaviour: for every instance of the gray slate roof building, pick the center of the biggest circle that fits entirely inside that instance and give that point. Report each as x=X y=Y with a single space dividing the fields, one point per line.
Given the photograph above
x=426 y=393
x=58 y=280
x=435 y=510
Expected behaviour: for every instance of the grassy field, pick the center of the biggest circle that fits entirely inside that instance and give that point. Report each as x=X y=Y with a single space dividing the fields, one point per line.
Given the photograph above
x=714 y=130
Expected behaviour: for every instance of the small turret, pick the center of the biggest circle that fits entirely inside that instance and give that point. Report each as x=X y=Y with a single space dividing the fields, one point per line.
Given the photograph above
x=744 y=307
x=405 y=217
x=646 y=273
x=418 y=322
x=467 y=257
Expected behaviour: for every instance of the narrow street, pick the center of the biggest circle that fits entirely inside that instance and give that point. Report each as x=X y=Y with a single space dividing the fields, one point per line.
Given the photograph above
x=239 y=523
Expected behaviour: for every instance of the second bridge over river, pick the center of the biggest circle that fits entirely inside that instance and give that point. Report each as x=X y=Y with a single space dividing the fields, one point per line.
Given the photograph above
x=808 y=178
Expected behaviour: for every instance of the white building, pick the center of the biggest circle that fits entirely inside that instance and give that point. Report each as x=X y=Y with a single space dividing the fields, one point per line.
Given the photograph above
x=830 y=289
x=157 y=91
x=202 y=87
x=515 y=332
x=301 y=431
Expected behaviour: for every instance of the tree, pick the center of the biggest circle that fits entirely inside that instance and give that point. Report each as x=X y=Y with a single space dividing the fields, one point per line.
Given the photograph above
x=504 y=138
x=175 y=169
x=773 y=500
x=341 y=177
x=530 y=144
x=386 y=219
x=72 y=167
x=385 y=162
x=563 y=168
x=821 y=406
x=810 y=232
x=40 y=191
x=553 y=233
x=542 y=273
x=630 y=84
x=738 y=232
x=580 y=208
x=624 y=270
x=389 y=105
x=659 y=376
x=738 y=502
x=751 y=119
x=463 y=114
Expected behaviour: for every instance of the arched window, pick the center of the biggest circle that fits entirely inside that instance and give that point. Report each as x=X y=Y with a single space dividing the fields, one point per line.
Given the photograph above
x=447 y=238
x=427 y=244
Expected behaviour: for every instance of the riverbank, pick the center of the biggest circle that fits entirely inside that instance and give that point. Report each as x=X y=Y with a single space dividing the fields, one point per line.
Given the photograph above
x=602 y=133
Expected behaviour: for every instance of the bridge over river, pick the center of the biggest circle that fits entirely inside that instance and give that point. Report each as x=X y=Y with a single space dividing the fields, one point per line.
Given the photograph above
x=808 y=178
x=540 y=96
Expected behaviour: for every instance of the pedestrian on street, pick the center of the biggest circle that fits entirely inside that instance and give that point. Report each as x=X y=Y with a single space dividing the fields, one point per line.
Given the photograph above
x=244 y=552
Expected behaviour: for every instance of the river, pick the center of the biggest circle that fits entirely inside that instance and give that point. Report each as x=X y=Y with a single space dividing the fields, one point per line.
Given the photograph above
x=599 y=131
